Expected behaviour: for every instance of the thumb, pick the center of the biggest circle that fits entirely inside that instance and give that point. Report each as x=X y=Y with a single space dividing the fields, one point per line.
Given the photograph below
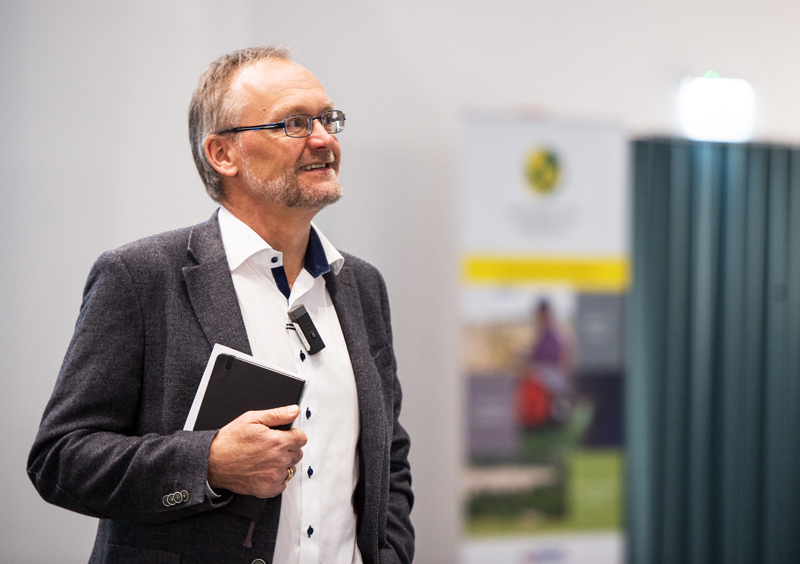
x=277 y=416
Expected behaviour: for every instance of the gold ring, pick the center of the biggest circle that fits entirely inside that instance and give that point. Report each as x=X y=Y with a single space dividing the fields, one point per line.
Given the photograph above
x=290 y=475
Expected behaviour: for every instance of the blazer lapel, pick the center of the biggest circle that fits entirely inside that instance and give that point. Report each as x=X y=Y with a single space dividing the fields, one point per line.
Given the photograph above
x=344 y=293
x=211 y=290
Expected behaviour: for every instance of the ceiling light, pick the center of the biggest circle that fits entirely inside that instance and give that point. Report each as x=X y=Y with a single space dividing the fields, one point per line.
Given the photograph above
x=717 y=109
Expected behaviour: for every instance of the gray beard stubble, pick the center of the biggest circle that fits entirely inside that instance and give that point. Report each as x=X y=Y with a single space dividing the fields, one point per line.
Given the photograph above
x=287 y=190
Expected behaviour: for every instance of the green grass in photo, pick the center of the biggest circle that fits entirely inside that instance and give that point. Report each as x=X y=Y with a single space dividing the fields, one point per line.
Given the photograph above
x=595 y=489
x=588 y=499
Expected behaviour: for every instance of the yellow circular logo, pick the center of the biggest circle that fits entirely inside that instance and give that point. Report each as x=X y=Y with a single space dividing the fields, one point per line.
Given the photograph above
x=543 y=170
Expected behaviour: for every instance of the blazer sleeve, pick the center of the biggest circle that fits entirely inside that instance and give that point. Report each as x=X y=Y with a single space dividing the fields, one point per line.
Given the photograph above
x=90 y=455
x=399 y=533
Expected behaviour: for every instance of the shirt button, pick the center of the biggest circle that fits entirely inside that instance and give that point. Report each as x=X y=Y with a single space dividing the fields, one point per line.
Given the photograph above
x=274 y=259
x=308 y=413
x=310 y=531
x=310 y=471
x=302 y=356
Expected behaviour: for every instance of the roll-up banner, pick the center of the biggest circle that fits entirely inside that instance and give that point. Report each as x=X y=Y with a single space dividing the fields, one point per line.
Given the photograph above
x=544 y=271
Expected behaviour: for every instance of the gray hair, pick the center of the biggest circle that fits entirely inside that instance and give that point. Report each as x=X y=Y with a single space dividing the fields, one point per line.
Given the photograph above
x=212 y=110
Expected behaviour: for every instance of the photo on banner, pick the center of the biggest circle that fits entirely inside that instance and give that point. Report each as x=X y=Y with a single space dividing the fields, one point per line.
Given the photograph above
x=545 y=268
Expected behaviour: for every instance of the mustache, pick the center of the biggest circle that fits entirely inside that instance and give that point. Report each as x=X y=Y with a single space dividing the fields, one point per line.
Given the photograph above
x=325 y=156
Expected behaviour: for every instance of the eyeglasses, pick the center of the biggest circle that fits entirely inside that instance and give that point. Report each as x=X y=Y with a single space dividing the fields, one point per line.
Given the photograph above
x=300 y=125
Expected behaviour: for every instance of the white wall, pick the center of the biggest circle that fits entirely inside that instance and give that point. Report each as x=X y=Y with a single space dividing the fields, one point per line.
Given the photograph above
x=94 y=153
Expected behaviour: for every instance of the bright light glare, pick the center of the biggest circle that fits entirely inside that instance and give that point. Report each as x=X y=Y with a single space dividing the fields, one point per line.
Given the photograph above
x=717 y=109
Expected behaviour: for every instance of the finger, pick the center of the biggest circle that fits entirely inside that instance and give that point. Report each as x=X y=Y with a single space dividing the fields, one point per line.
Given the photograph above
x=277 y=416
x=298 y=439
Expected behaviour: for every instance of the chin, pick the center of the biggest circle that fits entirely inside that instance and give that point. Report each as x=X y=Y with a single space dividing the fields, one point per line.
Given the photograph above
x=293 y=193
x=319 y=201
x=313 y=197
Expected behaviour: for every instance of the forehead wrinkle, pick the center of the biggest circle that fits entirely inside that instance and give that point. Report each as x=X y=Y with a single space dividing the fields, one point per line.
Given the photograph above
x=274 y=90
x=301 y=109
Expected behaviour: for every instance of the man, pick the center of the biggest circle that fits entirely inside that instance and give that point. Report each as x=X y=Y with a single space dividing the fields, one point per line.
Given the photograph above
x=110 y=443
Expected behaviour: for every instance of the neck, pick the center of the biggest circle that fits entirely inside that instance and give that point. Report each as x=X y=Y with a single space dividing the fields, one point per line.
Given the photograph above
x=284 y=229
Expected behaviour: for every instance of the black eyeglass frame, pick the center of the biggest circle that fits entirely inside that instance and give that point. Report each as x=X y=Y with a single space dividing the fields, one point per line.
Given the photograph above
x=282 y=125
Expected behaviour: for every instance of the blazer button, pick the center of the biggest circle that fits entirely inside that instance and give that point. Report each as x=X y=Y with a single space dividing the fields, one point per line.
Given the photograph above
x=184 y=496
x=171 y=499
x=165 y=500
x=258 y=561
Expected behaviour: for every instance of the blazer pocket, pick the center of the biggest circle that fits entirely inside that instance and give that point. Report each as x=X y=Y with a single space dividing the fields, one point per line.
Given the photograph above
x=118 y=554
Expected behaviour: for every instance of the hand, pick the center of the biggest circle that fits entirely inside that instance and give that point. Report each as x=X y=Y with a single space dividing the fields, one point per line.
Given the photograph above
x=249 y=457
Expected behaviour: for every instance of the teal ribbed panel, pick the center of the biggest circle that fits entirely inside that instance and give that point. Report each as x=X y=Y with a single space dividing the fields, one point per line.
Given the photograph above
x=703 y=321
x=775 y=543
x=675 y=395
x=713 y=354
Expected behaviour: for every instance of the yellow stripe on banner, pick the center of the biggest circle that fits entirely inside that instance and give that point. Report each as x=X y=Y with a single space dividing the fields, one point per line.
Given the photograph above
x=592 y=274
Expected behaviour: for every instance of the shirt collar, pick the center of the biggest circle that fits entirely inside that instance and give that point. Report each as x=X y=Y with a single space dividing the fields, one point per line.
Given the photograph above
x=241 y=243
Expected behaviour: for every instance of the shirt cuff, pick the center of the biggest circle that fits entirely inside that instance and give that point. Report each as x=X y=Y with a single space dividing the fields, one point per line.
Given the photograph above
x=211 y=493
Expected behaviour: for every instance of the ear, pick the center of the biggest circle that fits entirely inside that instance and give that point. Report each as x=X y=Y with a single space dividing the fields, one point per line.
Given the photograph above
x=221 y=153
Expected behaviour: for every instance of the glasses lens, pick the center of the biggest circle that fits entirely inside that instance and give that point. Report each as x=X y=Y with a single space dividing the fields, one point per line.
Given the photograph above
x=332 y=121
x=298 y=126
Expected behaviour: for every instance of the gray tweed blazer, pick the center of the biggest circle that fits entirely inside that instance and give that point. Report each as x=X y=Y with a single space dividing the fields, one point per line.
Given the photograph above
x=110 y=444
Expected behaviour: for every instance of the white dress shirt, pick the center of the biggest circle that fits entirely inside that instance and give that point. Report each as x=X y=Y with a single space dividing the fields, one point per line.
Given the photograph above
x=317 y=522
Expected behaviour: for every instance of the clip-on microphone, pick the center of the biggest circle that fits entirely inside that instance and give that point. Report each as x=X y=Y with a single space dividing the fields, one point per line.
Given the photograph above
x=305 y=329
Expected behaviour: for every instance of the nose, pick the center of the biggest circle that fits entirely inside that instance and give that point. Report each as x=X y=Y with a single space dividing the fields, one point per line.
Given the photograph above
x=319 y=138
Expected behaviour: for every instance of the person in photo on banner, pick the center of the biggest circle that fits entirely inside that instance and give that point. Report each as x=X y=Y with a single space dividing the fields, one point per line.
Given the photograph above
x=110 y=445
x=546 y=391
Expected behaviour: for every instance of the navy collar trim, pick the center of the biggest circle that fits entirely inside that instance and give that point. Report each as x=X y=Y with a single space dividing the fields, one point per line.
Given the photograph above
x=316 y=262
